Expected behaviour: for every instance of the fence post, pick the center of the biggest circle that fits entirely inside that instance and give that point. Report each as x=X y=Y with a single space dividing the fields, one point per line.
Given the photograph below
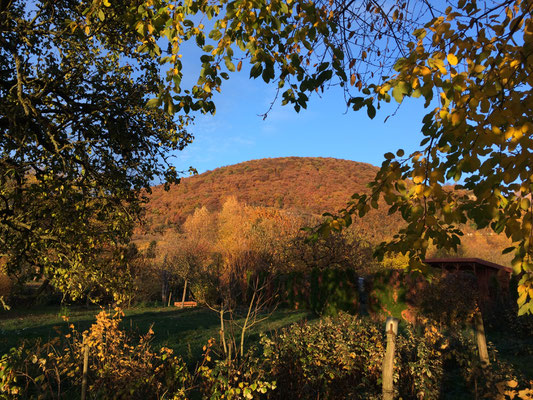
x=481 y=340
x=362 y=295
x=85 y=369
x=391 y=328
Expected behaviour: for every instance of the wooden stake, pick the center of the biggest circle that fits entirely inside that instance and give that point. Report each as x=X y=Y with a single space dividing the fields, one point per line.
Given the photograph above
x=183 y=295
x=85 y=370
x=481 y=340
x=391 y=328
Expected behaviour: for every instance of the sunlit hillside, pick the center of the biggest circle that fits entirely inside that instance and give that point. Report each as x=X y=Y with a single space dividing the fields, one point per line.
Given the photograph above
x=308 y=185
x=300 y=186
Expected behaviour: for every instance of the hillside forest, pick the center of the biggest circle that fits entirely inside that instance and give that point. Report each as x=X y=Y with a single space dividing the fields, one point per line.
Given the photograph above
x=282 y=196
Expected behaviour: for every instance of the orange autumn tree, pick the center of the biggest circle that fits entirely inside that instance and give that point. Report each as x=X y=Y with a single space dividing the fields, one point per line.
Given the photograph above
x=252 y=239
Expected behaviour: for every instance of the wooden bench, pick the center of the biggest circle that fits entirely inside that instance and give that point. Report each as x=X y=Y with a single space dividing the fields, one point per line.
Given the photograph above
x=185 y=304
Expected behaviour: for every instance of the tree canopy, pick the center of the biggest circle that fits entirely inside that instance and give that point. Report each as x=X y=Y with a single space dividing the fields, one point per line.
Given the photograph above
x=471 y=63
x=77 y=145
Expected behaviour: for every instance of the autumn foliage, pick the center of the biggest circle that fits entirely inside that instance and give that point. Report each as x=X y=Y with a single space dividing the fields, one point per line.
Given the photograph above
x=285 y=194
x=219 y=252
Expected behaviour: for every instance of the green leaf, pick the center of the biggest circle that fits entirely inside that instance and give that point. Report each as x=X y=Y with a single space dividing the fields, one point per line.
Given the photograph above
x=371 y=111
x=256 y=70
x=400 y=90
x=153 y=103
x=229 y=64
x=508 y=250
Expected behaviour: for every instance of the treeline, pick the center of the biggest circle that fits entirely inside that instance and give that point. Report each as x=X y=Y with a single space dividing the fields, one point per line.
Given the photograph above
x=310 y=185
x=217 y=253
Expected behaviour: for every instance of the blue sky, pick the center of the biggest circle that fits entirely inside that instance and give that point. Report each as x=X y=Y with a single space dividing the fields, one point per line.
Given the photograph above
x=238 y=132
x=326 y=129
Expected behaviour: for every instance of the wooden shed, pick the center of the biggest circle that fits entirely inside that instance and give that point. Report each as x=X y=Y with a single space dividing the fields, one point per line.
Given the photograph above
x=493 y=279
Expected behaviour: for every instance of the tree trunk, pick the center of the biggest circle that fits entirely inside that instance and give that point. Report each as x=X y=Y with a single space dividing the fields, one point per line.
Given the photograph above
x=222 y=334
x=184 y=293
x=41 y=288
x=164 y=287
x=85 y=370
x=243 y=331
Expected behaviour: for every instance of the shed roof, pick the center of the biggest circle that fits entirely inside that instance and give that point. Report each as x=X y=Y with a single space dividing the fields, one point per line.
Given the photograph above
x=466 y=261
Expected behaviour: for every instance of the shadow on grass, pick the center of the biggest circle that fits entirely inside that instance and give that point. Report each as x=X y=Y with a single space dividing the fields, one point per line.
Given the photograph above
x=184 y=331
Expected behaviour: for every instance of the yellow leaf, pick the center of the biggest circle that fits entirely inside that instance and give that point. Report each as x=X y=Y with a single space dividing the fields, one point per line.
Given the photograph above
x=425 y=70
x=418 y=179
x=335 y=225
x=107 y=3
x=456 y=118
x=512 y=383
x=452 y=59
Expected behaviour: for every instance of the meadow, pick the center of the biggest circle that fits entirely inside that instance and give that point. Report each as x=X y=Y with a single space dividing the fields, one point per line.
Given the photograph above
x=185 y=331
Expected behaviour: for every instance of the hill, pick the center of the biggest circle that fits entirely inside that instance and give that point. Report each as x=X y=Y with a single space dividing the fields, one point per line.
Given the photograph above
x=304 y=186
x=308 y=185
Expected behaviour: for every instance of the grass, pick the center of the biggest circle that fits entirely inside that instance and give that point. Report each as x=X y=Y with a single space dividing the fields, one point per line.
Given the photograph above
x=184 y=331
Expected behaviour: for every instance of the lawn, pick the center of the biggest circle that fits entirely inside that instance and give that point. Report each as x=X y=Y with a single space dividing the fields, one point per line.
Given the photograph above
x=184 y=331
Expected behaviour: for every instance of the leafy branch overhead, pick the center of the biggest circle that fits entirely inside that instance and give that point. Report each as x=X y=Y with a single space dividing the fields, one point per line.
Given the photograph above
x=478 y=64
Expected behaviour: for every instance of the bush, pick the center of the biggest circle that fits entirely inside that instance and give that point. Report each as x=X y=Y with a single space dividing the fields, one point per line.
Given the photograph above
x=450 y=298
x=323 y=291
x=118 y=368
x=335 y=358
x=341 y=358
x=233 y=379
x=5 y=285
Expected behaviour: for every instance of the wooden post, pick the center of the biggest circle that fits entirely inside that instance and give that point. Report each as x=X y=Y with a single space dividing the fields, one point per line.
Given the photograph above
x=85 y=369
x=362 y=295
x=183 y=295
x=481 y=340
x=391 y=328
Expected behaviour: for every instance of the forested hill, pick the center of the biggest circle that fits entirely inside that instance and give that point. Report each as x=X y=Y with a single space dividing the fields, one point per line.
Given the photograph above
x=309 y=185
x=301 y=185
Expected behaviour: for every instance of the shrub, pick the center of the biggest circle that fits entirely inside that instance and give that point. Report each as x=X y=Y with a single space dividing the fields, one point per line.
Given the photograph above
x=233 y=379
x=118 y=368
x=341 y=358
x=450 y=298
x=324 y=291
x=499 y=380
x=5 y=285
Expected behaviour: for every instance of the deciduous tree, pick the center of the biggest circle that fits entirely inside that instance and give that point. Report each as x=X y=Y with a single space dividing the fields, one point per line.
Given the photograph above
x=77 y=143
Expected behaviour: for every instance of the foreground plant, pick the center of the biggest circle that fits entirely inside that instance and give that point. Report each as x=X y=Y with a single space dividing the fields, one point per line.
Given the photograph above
x=119 y=367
